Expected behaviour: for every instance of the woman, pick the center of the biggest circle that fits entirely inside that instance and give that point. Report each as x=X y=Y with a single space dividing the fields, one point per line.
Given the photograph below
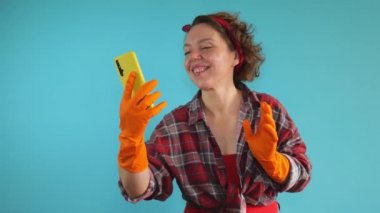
x=230 y=149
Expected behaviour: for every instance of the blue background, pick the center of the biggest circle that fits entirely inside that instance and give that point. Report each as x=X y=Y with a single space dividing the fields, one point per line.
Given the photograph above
x=59 y=95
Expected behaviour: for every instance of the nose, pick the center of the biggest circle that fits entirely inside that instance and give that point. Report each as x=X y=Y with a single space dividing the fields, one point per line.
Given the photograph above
x=191 y=57
x=194 y=55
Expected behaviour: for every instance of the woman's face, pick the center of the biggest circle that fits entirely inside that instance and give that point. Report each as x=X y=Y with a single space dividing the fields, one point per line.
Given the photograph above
x=208 y=59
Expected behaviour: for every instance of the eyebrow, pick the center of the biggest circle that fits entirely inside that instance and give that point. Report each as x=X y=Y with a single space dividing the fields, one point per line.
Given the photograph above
x=200 y=41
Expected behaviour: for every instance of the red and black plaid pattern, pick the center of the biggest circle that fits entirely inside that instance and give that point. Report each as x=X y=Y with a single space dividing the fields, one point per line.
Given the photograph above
x=183 y=148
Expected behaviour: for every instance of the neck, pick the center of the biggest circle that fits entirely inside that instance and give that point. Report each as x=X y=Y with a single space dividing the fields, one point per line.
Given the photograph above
x=219 y=101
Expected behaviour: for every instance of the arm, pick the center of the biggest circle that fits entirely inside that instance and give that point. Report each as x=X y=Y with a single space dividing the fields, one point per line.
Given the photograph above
x=157 y=183
x=291 y=145
x=279 y=148
x=135 y=113
x=135 y=184
x=263 y=145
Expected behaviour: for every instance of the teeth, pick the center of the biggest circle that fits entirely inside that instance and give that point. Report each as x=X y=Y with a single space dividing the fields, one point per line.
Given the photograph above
x=199 y=70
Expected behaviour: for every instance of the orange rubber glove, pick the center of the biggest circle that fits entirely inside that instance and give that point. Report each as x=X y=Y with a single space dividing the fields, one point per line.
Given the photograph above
x=135 y=113
x=263 y=145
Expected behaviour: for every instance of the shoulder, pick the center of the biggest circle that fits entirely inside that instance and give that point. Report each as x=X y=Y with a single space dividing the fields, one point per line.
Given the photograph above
x=170 y=126
x=179 y=114
x=255 y=98
x=170 y=120
x=279 y=111
x=280 y=114
x=269 y=99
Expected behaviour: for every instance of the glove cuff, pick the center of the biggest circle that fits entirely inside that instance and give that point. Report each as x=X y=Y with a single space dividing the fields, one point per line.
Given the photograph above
x=132 y=154
x=277 y=168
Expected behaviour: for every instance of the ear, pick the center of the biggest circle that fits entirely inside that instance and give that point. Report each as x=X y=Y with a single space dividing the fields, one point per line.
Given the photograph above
x=236 y=59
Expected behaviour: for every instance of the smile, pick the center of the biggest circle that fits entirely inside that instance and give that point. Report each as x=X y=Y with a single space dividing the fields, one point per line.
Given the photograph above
x=199 y=70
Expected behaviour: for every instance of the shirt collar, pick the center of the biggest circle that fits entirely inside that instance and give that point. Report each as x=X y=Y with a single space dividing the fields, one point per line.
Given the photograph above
x=195 y=109
x=250 y=106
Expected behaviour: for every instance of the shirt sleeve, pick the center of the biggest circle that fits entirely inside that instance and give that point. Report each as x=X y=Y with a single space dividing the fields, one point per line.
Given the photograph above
x=145 y=195
x=158 y=153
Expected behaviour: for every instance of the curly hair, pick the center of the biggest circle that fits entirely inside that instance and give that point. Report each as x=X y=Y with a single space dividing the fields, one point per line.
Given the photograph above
x=243 y=33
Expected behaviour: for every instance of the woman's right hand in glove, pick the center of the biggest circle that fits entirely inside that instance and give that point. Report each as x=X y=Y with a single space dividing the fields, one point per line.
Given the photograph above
x=135 y=113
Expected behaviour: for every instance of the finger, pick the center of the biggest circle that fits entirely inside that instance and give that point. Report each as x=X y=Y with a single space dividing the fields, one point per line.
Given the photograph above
x=271 y=132
x=148 y=100
x=129 y=86
x=262 y=112
x=267 y=119
x=157 y=109
x=266 y=108
x=144 y=90
x=265 y=113
x=247 y=129
x=127 y=94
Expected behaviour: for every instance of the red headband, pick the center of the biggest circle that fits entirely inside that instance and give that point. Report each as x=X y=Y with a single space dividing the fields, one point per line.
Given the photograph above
x=226 y=26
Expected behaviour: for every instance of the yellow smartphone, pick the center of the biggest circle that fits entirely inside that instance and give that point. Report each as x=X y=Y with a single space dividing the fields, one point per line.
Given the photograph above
x=127 y=63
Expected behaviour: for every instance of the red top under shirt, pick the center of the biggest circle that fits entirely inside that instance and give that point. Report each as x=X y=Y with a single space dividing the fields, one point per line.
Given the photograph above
x=233 y=178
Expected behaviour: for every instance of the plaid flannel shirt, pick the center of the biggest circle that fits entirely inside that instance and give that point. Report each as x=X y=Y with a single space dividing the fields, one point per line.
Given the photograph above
x=182 y=147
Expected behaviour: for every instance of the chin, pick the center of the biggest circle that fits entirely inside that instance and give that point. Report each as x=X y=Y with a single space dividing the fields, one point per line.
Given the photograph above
x=202 y=85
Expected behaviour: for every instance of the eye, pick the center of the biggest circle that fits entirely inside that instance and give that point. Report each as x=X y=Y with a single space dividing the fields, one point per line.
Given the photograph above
x=206 y=47
x=187 y=53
